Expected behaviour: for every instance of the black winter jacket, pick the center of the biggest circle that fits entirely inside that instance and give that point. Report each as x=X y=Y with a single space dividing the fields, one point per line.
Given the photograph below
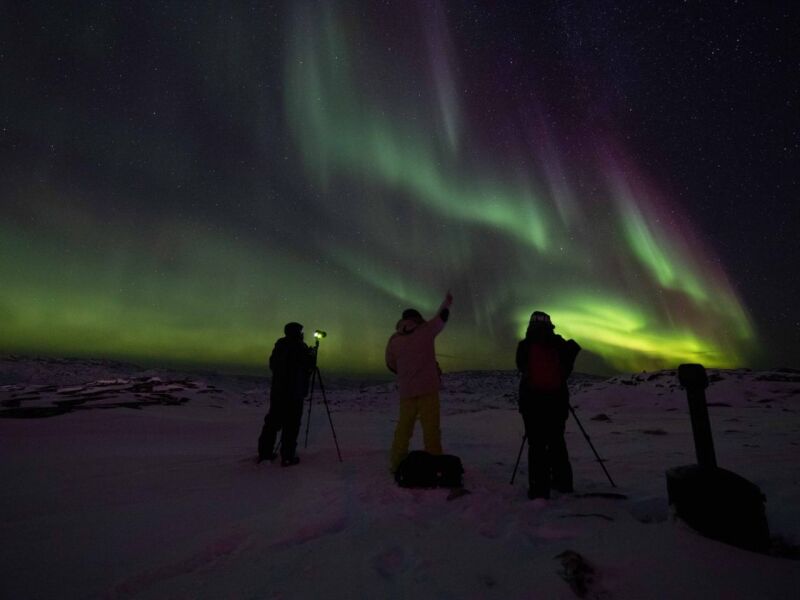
x=567 y=352
x=291 y=363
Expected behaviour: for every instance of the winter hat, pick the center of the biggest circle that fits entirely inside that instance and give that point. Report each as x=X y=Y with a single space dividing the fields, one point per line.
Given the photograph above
x=293 y=329
x=411 y=313
x=541 y=319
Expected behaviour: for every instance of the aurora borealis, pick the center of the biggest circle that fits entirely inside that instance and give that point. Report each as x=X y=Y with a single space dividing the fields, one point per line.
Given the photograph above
x=183 y=179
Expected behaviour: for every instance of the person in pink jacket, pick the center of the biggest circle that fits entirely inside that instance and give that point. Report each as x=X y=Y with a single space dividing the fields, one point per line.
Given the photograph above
x=410 y=354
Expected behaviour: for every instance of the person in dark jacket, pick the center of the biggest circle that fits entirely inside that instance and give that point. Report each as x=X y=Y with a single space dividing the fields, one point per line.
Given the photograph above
x=291 y=364
x=545 y=361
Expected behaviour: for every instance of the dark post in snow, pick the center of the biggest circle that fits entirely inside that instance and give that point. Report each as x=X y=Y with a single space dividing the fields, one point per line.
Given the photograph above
x=694 y=379
x=716 y=502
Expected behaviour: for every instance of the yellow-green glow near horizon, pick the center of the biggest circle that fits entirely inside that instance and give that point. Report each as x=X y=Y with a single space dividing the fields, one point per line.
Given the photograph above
x=347 y=135
x=358 y=170
x=620 y=332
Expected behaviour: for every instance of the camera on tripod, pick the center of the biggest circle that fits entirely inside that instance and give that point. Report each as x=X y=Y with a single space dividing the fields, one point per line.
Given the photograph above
x=316 y=379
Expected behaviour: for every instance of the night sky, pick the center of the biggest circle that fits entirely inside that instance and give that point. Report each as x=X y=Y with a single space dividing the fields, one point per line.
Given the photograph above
x=180 y=179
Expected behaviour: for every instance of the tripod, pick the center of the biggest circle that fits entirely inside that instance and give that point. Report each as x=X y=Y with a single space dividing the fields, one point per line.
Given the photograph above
x=316 y=376
x=583 y=431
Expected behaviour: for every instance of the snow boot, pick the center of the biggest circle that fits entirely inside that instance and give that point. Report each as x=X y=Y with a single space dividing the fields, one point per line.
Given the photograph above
x=270 y=457
x=535 y=494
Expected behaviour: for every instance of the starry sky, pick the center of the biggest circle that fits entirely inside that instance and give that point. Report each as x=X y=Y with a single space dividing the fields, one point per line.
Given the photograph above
x=180 y=179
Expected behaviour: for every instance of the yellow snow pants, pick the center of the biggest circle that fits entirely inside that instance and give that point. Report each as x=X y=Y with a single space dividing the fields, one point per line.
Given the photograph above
x=426 y=407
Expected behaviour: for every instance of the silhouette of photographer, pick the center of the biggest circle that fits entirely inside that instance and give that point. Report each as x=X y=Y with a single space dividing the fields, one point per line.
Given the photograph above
x=545 y=360
x=291 y=363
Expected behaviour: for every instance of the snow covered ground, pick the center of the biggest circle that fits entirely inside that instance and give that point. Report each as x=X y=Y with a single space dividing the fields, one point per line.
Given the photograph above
x=120 y=482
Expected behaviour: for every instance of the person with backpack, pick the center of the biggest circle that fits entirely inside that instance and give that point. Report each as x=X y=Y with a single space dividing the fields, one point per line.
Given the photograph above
x=411 y=355
x=291 y=363
x=545 y=361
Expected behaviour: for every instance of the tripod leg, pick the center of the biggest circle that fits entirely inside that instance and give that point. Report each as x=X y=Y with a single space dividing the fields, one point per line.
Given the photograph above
x=519 y=456
x=597 y=456
x=310 y=401
x=330 y=420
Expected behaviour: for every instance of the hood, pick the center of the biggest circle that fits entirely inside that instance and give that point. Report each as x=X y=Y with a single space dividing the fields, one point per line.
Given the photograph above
x=406 y=326
x=539 y=333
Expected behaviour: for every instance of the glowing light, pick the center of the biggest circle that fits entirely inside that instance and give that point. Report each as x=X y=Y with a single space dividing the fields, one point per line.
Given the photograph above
x=336 y=130
x=382 y=186
x=345 y=135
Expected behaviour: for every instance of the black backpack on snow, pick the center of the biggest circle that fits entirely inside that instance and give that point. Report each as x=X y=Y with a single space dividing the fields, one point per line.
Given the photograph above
x=423 y=470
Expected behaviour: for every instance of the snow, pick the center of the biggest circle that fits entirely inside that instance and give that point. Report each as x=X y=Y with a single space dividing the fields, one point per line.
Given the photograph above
x=142 y=484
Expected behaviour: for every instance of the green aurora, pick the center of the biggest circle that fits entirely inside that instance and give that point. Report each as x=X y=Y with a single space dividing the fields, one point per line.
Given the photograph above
x=401 y=197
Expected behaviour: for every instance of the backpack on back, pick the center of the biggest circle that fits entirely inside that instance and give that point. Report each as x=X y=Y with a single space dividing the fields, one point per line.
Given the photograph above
x=545 y=373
